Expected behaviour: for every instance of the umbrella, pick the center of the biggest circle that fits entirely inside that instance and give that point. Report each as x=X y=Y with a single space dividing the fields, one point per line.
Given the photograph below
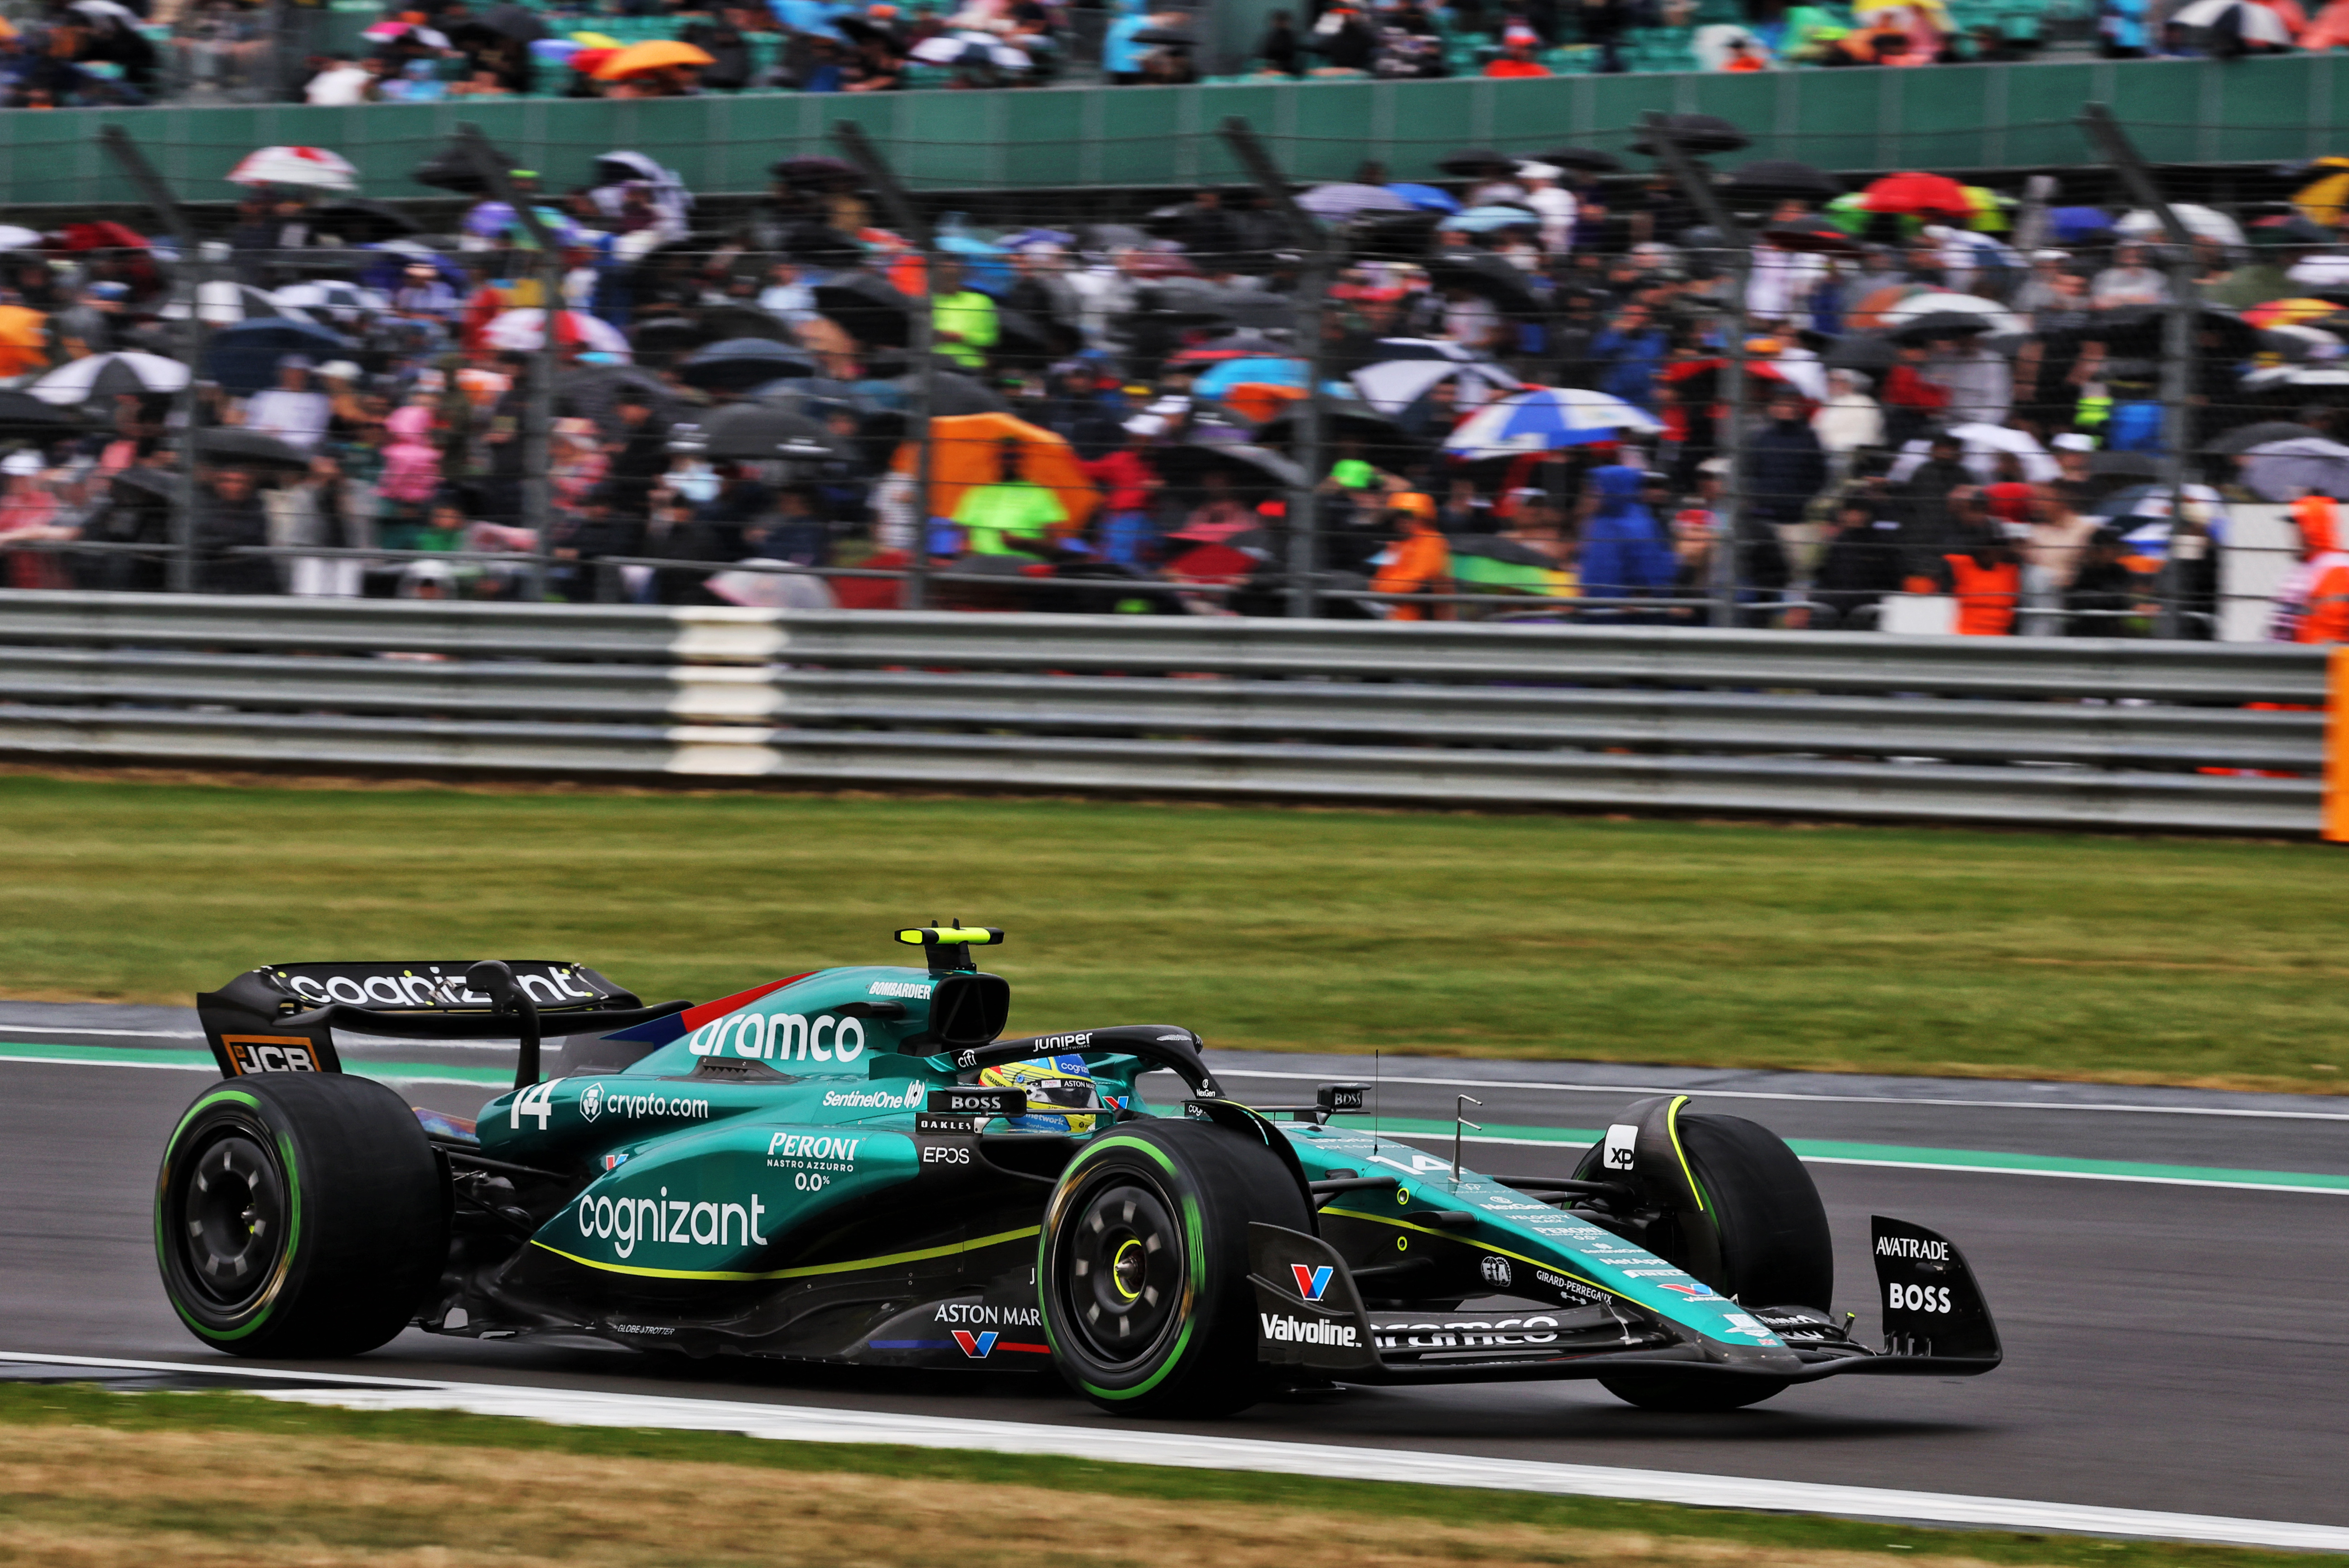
x=1817 y=238
x=866 y=306
x=23 y=340
x=14 y=238
x=1251 y=465
x=1485 y=220
x=243 y=447
x=390 y=32
x=1590 y=159
x=1937 y=325
x=657 y=55
x=523 y=330
x=2243 y=438
x=1696 y=133
x=1235 y=346
x=222 y=303
x=2328 y=271
x=22 y=412
x=968 y=48
x=110 y=375
x=954 y=395
x=588 y=391
x=243 y=358
x=749 y=431
x=2290 y=311
x=1985 y=444
x=1340 y=421
x=2286 y=470
x=1854 y=352
x=515 y=22
x=2297 y=376
x=557 y=50
x=364 y=223
x=1917 y=308
x=663 y=336
x=452 y=170
x=103 y=235
x=738 y=364
x=2234 y=19
x=2293 y=232
x=794 y=589
x=1427 y=198
x=344 y=301
x=2078 y=225
x=1917 y=195
x=313 y=168
x=1474 y=161
x=1489 y=561
x=807 y=169
x=1487 y=276
x=2137 y=332
x=2204 y=222
x=1395 y=385
x=720 y=322
x=965 y=455
x=1778 y=179
x=1392 y=349
x=1228 y=373
x=587 y=62
x=1336 y=203
x=1545 y=419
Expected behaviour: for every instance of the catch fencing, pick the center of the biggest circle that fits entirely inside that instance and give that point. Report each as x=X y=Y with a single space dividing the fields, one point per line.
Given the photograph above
x=2073 y=732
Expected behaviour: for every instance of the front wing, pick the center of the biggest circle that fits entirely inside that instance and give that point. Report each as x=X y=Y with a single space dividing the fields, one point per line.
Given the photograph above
x=1310 y=1317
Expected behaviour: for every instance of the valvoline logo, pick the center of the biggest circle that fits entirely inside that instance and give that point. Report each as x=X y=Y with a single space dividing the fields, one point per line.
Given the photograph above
x=1700 y=1292
x=1311 y=1281
x=975 y=1345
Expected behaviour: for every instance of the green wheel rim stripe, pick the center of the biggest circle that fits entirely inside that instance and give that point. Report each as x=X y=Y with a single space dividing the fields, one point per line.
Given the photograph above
x=1195 y=1243
x=293 y=1220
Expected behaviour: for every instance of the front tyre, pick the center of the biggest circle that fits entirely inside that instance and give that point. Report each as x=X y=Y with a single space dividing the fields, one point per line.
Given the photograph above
x=1144 y=1267
x=299 y=1215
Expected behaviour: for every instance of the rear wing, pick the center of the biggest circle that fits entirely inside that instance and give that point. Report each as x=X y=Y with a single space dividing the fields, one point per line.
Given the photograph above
x=282 y=1018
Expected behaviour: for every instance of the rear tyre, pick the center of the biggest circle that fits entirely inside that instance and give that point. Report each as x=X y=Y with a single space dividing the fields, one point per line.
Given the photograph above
x=1775 y=1250
x=1143 y=1267
x=299 y=1215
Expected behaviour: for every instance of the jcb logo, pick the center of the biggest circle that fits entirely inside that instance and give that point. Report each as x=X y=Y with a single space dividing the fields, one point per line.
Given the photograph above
x=251 y=1054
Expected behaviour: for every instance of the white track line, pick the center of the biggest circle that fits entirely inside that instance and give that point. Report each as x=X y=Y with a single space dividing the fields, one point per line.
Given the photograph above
x=1828 y=1099
x=1189 y=1451
x=125 y=1034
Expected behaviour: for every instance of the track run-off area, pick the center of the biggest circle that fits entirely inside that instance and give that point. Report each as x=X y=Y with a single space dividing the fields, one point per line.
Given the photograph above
x=2165 y=1267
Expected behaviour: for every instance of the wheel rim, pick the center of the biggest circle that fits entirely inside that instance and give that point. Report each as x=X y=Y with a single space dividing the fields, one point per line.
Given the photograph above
x=231 y=1219
x=1120 y=1274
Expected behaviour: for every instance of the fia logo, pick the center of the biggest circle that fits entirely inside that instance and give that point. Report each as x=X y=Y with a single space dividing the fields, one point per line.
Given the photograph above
x=1496 y=1269
x=975 y=1345
x=1311 y=1282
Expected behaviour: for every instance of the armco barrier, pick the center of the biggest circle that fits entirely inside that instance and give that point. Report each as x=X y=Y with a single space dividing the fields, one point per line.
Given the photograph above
x=2060 y=732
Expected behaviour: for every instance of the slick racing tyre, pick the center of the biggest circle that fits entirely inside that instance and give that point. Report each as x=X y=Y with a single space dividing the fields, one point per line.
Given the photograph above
x=1774 y=1249
x=299 y=1215
x=1144 y=1267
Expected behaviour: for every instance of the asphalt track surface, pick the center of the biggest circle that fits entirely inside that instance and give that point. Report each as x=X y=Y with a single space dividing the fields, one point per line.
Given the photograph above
x=2174 y=1327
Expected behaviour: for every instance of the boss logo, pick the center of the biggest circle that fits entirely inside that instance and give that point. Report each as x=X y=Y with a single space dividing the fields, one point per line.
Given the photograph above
x=976 y=1102
x=250 y=1054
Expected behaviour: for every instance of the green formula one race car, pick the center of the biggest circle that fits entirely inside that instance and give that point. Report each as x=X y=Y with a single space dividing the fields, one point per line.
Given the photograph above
x=851 y=1165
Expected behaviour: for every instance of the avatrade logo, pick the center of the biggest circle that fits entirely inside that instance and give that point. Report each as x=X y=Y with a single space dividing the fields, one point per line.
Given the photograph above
x=975 y=1345
x=1311 y=1281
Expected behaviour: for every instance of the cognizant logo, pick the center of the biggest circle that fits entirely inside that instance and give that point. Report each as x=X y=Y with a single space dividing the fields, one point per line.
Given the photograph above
x=629 y=1222
x=780 y=1037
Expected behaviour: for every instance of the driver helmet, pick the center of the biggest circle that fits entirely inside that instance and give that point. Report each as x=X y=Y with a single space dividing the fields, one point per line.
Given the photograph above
x=1062 y=1095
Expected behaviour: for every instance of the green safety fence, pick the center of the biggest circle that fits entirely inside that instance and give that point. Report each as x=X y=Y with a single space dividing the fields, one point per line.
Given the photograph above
x=1954 y=117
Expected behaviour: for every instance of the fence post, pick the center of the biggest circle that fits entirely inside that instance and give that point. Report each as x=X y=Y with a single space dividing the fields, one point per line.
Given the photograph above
x=922 y=338
x=1313 y=289
x=181 y=569
x=539 y=412
x=1731 y=431
x=2176 y=334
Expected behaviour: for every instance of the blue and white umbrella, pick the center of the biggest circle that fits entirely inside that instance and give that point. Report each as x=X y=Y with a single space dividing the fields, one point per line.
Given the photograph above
x=1220 y=379
x=1544 y=419
x=1428 y=197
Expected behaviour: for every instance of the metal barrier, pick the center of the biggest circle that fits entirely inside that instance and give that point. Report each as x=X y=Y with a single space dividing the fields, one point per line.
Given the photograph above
x=2056 y=732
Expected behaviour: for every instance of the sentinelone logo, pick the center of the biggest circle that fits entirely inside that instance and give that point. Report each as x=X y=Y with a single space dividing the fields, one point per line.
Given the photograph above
x=1297 y=1330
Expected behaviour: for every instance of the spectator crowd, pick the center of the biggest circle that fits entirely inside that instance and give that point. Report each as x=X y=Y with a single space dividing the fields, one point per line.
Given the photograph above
x=1539 y=387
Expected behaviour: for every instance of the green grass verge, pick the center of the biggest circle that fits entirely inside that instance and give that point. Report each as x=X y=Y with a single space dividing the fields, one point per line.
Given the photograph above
x=1868 y=948
x=25 y=1406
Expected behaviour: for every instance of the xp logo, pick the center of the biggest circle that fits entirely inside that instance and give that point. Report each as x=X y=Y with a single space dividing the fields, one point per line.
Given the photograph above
x=975 y=1345
x=590 y=1101
x=1311 y=1282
